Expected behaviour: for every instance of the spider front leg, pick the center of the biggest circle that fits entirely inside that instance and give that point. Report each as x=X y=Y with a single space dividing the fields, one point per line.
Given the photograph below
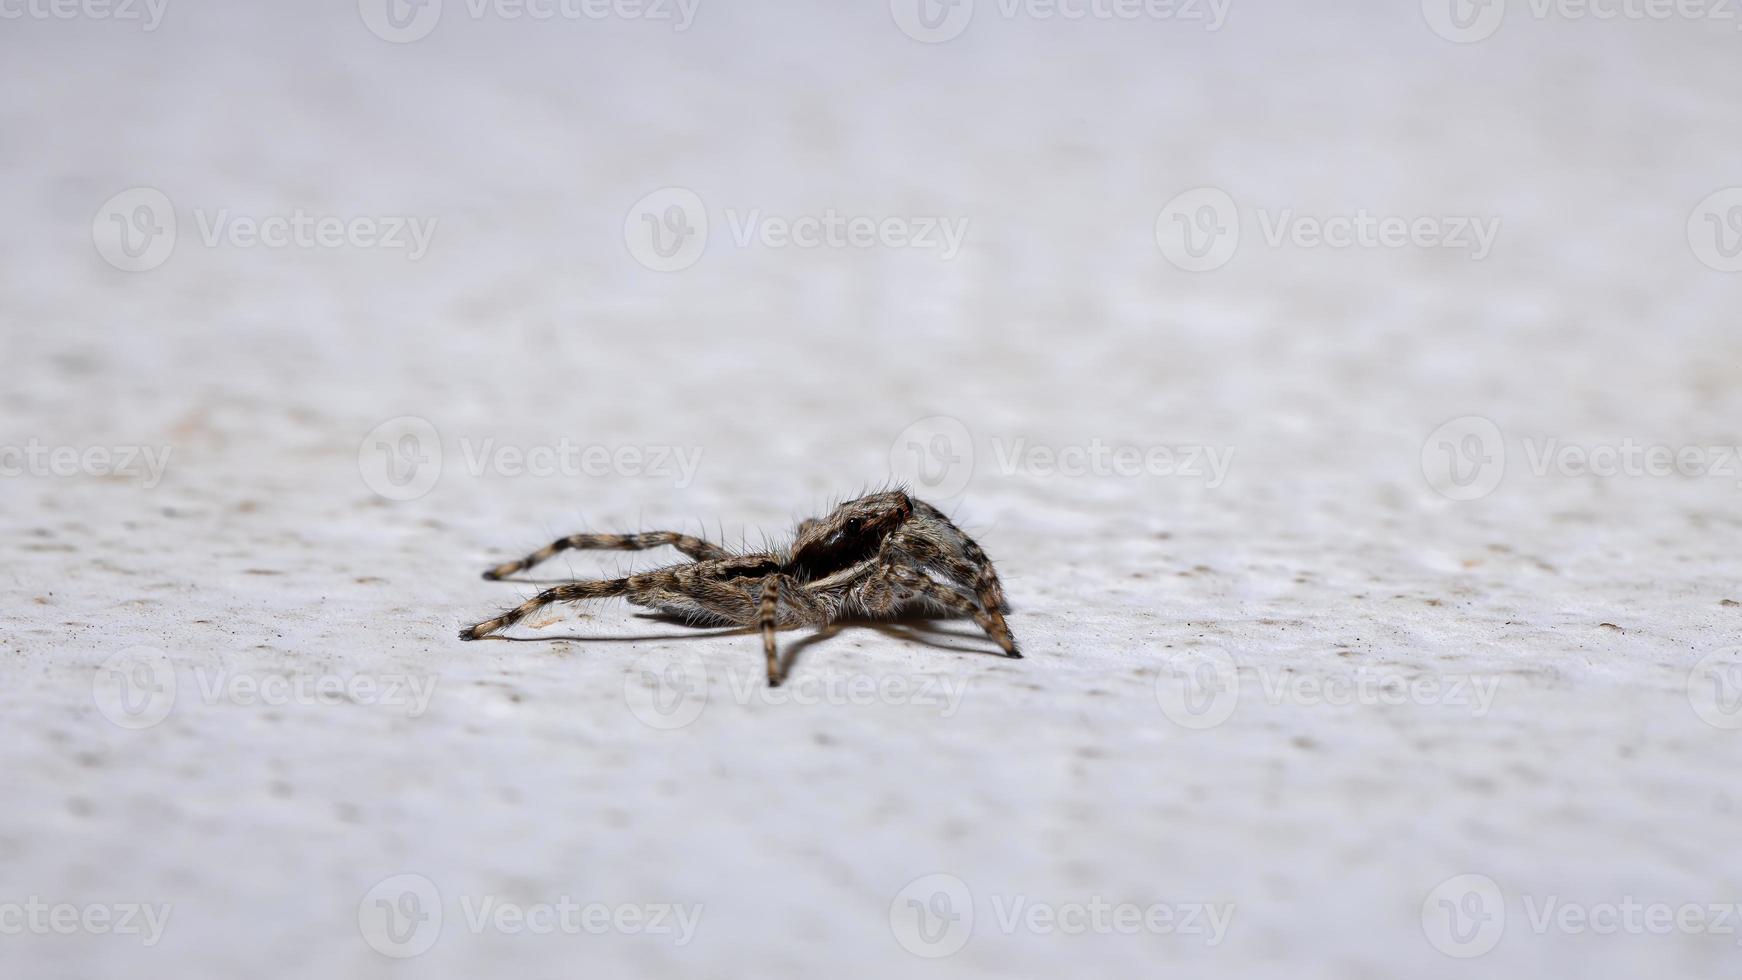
x=573 y=592
x=800 y=603
x=989 y=619
x=986 y=585
x=958 y=555
x=694 y=547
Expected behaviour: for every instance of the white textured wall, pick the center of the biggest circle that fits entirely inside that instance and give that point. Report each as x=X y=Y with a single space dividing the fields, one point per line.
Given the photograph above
x=1582 y=606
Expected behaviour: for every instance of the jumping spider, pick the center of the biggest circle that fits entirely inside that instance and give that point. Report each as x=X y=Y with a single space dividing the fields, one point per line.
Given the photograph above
x=881 y=556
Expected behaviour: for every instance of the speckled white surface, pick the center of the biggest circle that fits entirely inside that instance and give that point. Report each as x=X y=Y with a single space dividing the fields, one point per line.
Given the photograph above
x=1579 y=604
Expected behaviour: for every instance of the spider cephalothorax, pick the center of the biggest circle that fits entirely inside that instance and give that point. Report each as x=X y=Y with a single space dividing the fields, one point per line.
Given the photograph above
x=881 y=556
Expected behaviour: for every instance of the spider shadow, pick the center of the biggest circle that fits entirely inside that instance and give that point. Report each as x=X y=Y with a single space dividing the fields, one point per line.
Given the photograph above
x=917 y=629
x=698 y=633
x=921 y=629
x=542 y=581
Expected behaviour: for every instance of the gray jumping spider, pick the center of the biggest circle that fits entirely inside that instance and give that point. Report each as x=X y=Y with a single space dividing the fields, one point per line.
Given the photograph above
x=881 y=556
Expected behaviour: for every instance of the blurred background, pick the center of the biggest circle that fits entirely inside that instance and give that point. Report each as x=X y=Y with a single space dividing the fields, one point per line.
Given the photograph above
x=1346 y=393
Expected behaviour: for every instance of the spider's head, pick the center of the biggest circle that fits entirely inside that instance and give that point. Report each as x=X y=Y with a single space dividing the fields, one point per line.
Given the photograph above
x=850 y=534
